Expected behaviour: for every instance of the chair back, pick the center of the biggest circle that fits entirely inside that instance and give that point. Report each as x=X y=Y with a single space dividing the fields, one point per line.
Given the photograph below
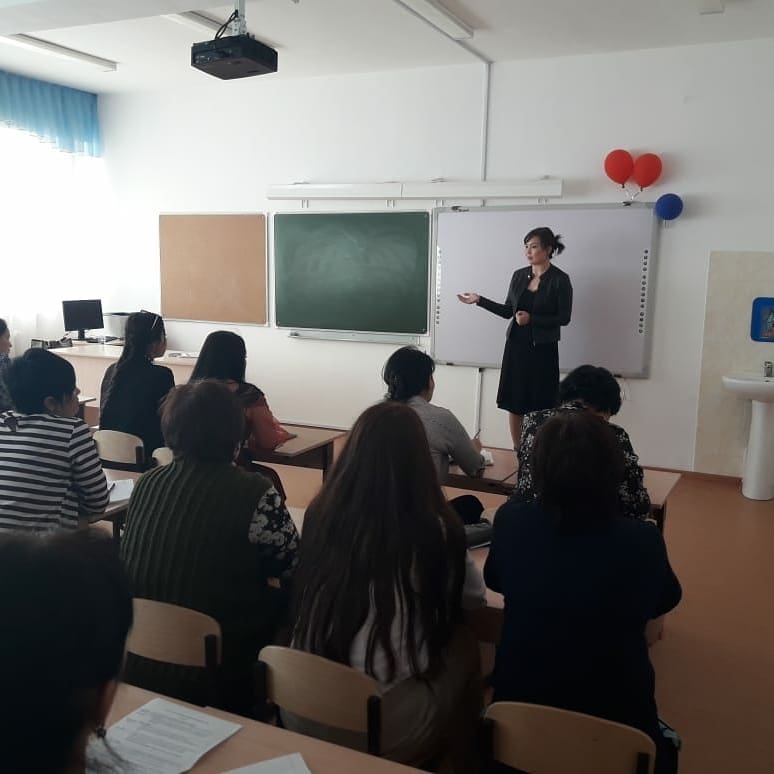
x=324 y=691
x=162 y=456
x=120 y=451
x=174 y=635
x=543 y=740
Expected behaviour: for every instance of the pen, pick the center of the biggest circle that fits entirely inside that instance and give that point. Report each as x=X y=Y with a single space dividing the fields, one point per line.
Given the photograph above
x=478 y=432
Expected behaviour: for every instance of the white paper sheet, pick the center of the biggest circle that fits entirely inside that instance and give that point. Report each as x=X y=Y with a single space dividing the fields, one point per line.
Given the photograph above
x=287 y=764
x=122 y=490
x=487 y=455
x=162 y=737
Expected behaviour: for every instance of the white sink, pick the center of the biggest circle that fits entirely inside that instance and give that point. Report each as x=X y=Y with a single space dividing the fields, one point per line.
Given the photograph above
x=751 y=386
x=758 y=478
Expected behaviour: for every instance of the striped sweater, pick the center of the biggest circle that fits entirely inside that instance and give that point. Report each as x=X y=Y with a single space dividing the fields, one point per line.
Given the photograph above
x=50 y=472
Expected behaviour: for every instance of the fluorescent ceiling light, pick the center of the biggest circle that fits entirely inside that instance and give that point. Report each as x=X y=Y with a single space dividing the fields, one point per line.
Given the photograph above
x=433 y=12
x=63 y=52
x=195 y=19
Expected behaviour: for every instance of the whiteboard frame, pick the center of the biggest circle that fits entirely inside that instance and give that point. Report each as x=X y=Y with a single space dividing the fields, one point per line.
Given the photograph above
x=340 y=334
x=650 y=298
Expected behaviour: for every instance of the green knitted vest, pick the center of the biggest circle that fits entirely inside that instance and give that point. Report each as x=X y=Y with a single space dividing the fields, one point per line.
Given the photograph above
x=186 y=543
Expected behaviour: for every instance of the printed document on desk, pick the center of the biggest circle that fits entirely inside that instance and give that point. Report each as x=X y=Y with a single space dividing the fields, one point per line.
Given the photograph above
x=287 y=764
x=162 y=737
x=121 y=490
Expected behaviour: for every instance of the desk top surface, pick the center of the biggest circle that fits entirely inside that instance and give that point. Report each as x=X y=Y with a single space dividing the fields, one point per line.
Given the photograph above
x=256 y=742
x=112 y=352
x=503 y=467
x=307 y=439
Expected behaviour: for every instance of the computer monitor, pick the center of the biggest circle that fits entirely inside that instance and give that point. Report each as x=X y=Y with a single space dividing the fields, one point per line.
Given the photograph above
x=82 y=316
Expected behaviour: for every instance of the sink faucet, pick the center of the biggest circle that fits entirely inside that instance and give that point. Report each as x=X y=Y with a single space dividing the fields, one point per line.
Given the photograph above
x=768 y=368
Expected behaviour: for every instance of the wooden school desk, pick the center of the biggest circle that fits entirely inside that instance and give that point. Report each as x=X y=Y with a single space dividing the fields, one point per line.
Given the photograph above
x=311 y=448
x=90 y=362
x=494 y=479
x=500 y=478
x=256 y=742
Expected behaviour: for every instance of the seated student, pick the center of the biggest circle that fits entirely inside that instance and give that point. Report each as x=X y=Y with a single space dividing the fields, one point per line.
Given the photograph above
x=203 y=533
x=50 y=473
x=5 y=361
x=66 y=611
x=408 y=374
x=223 y=357
x=580 y=584
x=382 y=577
x=594 y=389
x=133 y=388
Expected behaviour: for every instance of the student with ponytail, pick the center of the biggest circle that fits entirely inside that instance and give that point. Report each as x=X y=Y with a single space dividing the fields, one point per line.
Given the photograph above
x=538 y=303
x=133 y=388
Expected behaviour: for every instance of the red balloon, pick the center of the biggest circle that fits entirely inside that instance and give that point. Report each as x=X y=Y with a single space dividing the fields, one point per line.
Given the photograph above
x=647 y=169
x=618 y=165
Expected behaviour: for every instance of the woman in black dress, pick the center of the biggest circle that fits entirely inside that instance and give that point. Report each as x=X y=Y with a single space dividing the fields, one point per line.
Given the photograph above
x=539 y=301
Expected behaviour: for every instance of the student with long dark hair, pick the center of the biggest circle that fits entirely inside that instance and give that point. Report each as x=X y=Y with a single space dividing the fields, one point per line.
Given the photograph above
x=5 y=361
x=580 y=584
x=66 y=610
x=205 y=534
x=133 y=388
x=224 y=357
x=50 y=473
x=381 y=582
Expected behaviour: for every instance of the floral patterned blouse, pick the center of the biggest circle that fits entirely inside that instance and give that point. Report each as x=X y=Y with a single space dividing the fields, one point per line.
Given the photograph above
x=635 y=502
x=273 y=531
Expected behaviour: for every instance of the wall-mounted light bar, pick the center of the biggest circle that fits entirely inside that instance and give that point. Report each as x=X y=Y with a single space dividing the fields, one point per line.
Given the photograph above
x=549 y=187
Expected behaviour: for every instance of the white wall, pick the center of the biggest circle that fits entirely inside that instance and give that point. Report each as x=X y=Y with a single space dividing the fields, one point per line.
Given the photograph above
x=706 y=110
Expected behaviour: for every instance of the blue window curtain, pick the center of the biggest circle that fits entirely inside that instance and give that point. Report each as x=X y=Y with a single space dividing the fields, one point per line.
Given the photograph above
x=67 y=118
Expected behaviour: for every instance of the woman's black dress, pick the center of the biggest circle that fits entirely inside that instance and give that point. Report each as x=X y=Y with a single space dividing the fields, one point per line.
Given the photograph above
x=529 y=378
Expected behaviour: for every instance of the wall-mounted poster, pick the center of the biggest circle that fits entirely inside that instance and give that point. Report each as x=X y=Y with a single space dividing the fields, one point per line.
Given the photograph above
x=762 y=323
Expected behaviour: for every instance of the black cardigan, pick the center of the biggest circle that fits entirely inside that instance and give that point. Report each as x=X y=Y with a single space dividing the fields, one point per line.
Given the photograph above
x=552 y=307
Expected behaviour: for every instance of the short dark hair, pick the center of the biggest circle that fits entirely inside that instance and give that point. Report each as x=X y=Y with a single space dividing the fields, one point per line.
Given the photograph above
x=36 y=375
x=65 y=593
x=223 y=356
x=577 y=468
x=3 y=327
x=202 y=420
x=593 y=385
x=548 y=239
x=407 y=373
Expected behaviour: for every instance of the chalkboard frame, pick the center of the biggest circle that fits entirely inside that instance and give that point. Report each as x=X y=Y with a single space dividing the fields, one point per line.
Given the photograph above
x=349 y=334
x=650 y=288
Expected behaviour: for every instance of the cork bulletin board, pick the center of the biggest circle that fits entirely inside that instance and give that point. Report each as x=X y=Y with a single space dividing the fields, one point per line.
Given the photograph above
x=213 y=268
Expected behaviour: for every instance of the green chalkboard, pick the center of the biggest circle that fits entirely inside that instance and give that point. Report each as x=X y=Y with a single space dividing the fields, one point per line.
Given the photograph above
x=352 y=271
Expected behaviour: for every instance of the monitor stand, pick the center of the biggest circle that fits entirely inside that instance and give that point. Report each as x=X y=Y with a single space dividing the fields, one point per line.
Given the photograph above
x=81 y=335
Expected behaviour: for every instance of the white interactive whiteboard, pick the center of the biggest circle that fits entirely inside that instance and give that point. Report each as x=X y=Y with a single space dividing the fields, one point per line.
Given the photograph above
x=609 y=256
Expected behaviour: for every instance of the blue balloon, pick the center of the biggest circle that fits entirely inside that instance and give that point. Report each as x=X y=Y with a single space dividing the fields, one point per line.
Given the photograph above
x=669 y=206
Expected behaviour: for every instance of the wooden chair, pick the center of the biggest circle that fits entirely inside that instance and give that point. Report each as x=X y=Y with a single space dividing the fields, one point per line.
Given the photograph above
x=120 y=451
x=547 y=740
x=162 y=456
x=323 y=691
x=177 y=635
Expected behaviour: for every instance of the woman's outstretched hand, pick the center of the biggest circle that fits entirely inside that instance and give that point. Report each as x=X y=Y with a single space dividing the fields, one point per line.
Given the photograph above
x=468 y=298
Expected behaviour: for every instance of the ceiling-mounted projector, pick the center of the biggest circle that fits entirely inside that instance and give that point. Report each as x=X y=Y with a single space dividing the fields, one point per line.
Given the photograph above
x=236 y=56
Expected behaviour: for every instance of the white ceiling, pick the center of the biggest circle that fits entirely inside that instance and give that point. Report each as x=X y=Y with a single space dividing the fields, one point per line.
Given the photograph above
x=320 y=37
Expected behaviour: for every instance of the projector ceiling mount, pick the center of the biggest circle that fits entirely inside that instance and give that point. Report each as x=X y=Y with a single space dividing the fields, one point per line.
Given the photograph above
x=236 y=55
